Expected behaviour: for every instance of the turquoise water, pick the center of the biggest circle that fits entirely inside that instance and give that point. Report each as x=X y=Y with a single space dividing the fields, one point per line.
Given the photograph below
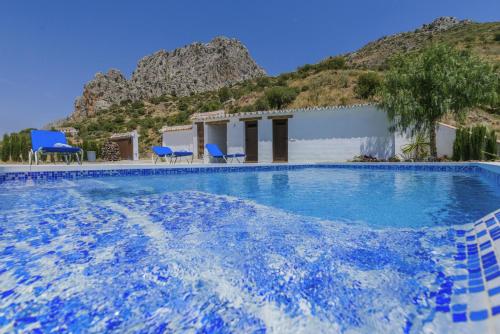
x=377 y=198
x=311 y=250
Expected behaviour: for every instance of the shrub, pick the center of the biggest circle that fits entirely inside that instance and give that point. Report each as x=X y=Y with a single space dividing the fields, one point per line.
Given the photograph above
x=473 y=143
x=263 y=82
x=491 y=148
x=304 y=68
x=224 y=94
x=261 y=104
x=497 y=37
x=211 y=106
x=333 y=63
x=278 y=97
x=5 y=152
x=367 y=85
x=477 y=142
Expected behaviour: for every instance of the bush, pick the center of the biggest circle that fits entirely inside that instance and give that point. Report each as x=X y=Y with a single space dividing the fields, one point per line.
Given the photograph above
x=261 y=104
x=477 y=142
x=368 y=84
x=491 y=147
x=304 y=68
x=497 y=37
x=333 y=63
x=224 y=94
x=263 y=82
x=211 y=106
x=473 y=143
x=279 y=97
x=5 y=152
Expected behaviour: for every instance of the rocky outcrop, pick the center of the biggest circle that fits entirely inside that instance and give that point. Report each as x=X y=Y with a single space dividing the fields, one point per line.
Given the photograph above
x=191 y=69
x=375 y=54
x=103 y=91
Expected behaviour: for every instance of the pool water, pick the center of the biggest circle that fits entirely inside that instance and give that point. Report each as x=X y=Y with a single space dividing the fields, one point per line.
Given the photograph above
x=310 y=250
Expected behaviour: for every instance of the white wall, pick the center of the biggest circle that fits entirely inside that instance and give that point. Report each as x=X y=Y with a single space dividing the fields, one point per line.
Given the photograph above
x=445 y=137
x=215 y=134
x=135 y=145
x=265 y=133
x=339 y=134
x=235 y=136
x=182 y=140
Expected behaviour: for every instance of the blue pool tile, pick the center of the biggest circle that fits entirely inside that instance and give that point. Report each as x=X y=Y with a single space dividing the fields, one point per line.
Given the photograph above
x=494 y=291
x=485 y=245
x=443 y=308
x=470 y=238
x=493 y=276
x=481 y=233
x=476 y=289
x=459 y=317
x=490 y=222
x=478 y=315
x=475 y=282
x=442 y=300
x=491 y=269
x=475 y=275
x=495 y=310
x=460 y=291
x=459 y=277
x=457 y=308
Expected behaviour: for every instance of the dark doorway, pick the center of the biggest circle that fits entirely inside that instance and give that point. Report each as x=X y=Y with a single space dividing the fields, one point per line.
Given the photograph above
x=280 y=140
x=251 y=141
x=126 y=148
x=200 y=133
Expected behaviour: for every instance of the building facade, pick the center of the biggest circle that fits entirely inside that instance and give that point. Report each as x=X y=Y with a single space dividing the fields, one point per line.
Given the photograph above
x=329 y=134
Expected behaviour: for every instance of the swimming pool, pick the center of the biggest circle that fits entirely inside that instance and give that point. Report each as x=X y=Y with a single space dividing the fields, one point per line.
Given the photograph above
x=304 y=250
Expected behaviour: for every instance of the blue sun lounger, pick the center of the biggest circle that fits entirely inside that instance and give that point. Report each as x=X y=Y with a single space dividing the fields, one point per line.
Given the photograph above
x=216 y=153
x=44 y=142
x=166 y=152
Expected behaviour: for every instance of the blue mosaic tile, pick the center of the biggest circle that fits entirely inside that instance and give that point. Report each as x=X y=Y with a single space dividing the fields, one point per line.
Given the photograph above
x=53 y=175
x=459 y=317
x=478 y=315
x=494 y=291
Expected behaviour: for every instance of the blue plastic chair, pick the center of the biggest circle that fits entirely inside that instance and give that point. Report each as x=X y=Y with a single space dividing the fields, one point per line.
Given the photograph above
x=44 y=142
x=166 y=152
x=215 y=152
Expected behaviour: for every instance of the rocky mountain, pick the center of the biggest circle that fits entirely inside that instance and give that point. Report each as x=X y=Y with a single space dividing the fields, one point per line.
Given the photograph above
x=191 y=69
x=374 y=55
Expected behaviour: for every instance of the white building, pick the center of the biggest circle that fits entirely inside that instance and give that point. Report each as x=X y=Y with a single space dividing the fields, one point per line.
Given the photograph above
x=128 y=144
x=300 y=135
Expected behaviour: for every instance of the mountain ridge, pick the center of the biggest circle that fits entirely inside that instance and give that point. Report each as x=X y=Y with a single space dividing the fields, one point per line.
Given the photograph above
x=193 y=68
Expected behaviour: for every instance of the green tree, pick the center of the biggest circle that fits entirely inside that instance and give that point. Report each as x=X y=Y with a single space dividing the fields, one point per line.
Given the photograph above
x=278 y=97
x=14 y=147
x=420 y=88
x=491 y=148
x=367 y=85
x=477 y=142
x=5 y=153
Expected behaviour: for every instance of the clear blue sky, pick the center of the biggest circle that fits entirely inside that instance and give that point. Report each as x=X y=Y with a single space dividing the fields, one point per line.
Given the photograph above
x=49 y=49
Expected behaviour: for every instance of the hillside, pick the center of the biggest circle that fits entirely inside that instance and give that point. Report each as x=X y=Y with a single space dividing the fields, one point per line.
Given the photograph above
x=330 y=82
x=481 y=38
